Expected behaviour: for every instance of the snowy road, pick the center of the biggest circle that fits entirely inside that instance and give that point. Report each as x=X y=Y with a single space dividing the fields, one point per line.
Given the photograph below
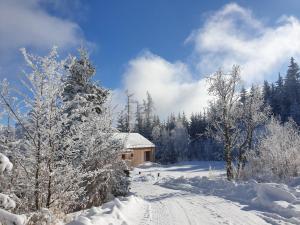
x=191 y=193
x=171 y=207
x=176 y=207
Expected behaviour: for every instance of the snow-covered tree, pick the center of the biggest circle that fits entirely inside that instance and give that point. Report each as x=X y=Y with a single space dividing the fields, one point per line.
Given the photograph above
x=88 y=124
x=56 y=182
x=252 y=114
x=171 y=144
x=180 y=139
x=64 y=149
x=45 y=175
x=222 y=113
x=277 y=156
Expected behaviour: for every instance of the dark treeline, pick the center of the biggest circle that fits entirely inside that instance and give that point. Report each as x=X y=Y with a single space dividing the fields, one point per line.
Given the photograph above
x=284 y=95
x=180 y=137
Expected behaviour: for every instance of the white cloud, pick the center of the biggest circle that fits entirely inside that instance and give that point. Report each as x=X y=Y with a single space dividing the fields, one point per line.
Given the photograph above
x=170 y=84
x=27 y=24
x=232 y=35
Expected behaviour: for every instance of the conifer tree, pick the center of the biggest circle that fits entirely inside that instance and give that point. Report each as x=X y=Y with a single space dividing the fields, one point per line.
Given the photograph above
x=89 y=123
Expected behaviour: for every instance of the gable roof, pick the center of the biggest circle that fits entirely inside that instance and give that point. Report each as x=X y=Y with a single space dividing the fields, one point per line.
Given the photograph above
x=134 y=140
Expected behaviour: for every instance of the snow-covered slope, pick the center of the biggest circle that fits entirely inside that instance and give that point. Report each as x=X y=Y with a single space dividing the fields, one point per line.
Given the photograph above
x=197 y=193
x=120 y=211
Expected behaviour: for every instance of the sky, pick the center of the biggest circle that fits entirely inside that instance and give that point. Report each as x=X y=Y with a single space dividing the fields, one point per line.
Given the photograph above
x=166 y=47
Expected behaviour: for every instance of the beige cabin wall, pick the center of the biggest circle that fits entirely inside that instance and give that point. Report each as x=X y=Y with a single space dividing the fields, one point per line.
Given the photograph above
x=139 y=155
x=135 y=157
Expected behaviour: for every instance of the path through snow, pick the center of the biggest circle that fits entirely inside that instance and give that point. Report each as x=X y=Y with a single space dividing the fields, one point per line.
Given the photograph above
x=172 y=207
x=191 y=193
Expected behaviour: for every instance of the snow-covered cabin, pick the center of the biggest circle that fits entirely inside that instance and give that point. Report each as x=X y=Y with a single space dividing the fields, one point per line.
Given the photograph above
x=137 y=149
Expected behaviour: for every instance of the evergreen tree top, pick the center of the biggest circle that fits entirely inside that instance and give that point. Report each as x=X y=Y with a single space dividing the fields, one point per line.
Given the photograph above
x=293 y=72
x=279 y=82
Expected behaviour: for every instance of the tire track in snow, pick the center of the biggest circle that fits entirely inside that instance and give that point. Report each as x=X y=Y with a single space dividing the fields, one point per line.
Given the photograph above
x=178 y=207
x=175 y=207
x=185 y=212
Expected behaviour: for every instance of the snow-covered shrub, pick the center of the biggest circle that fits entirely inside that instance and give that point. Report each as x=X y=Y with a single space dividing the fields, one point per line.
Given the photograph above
x=43 y=217
x=104 y=169
x=5 y=164
x=278 y=153
x=120 y=182
x=6 y=203
x=7 y=218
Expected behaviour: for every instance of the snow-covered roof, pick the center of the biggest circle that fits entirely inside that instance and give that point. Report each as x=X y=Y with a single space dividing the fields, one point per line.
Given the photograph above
x=134 y=140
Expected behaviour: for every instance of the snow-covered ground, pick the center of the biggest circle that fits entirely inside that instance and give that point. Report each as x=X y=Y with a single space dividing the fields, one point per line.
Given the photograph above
x=196 y=193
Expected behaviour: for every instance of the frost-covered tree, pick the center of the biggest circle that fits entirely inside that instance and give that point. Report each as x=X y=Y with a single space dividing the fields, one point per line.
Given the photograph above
x=45 y=175
x=166 y=153
x=88 y=124
x=81 y=96
x=171 y=144
x=252 y=114
x=180 y=139
x=277 y=157
x=45 y=160
x=223 y=112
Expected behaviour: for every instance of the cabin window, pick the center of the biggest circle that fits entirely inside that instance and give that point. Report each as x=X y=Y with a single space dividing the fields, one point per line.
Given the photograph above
x=123 y=156
x=131 y=155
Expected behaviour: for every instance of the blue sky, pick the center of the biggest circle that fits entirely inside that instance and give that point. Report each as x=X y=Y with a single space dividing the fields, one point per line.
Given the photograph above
x=162 y=46
x=122 y=29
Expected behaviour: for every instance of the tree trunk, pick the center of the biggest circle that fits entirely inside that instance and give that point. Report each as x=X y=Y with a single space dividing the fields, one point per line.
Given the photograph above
x=49 y=194
x=228 y=159
x=240 y=162
x=37 y=182
x=38 y=168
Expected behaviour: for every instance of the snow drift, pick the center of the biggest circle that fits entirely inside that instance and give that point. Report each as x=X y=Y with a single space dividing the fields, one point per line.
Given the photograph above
x=120 y=211
x=7 y=218
x=267 y=197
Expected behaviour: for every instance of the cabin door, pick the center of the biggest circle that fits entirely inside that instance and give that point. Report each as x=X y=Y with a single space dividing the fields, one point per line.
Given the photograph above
x=147 y=156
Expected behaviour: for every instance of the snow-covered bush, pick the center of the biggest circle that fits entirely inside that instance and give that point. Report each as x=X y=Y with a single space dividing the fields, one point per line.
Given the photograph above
x=6 y=203
x=5 y=164
x=120 y=182
x=278 y=153
x=43 y=217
